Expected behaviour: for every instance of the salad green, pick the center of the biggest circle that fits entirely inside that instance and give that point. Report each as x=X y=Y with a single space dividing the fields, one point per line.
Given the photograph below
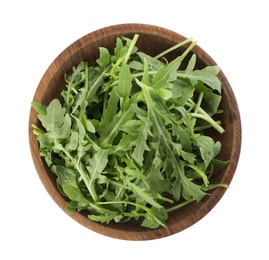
x=128 y=141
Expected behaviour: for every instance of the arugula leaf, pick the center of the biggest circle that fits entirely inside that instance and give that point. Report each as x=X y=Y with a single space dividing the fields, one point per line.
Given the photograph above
x=141 y=143
x=143 y=194
x=201 y=75
x=96 y=165
x=129 y=135
x=112 y=129
x=123 y=89
x=155 y=176
x=105 y=58
x=166 y=74
x=211 y=100
x=54 y=117
x=208 y=148
x=39 y=108
x=154 y=218
x=104 y=218
x=74 y=193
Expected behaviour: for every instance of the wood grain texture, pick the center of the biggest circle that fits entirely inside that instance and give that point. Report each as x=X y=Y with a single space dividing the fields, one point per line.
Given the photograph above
x=152 y=40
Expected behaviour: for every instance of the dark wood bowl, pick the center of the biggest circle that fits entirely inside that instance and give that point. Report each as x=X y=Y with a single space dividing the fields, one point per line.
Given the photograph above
x=152 y=40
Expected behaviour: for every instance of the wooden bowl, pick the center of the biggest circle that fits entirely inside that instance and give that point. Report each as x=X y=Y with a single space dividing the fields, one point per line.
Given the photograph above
x=152 y=40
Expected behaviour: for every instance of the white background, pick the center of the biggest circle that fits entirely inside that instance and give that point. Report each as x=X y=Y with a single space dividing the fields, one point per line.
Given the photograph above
x=33 y=33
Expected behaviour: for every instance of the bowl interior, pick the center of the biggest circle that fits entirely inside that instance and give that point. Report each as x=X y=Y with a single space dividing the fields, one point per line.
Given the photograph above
x=152 y=40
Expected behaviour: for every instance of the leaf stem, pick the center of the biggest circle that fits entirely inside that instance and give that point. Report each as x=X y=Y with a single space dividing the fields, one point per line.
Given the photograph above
x=199 y=101
x=202 y=114
x=200 y=172
x=131 y=47
x=209 y=119
x=86 y=77
x=205 y=126
x=173 y=48
x=178 y=206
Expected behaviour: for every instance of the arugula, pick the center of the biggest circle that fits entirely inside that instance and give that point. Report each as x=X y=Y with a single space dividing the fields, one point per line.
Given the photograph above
x=130 y=134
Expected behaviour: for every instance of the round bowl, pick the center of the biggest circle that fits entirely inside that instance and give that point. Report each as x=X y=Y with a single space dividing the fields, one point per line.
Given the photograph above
x=152 y=40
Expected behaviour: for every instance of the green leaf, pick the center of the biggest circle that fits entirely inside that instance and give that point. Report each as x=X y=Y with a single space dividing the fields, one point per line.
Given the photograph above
x=95 y=83
x=181 y=185
x=155 y=176
x=104 y=59
x=73 y=81
x=65 y=175
x=142 y=193
x=187 y=120
x=188 y=157
x=46 y=141
x=164 y=93
x=191 y=63
x=204 y=76
x=56 y=122
x=79 y=101
x=96 y=165
x=119 y=50
x=72 y=143
x=106 y=216
x=154 y=218
x=220 y=162
x=153 y=63
x=182 y=91
x=39 y=108
x=88 y=124
x=82 y=146
x=109 y=113
x=74 y=193
x=123 y=146
x=214 y=186
x=166 y=74
x=64 y=131
x=212 y=69
x=211 y=100
x=133 y=172
x=141 y=142
x=209 y=149
x=54 y=117
x=113 y=125
x=200 y=172
x=136 y=65
x=123 y=89
x=192 y=191
x=182 y=137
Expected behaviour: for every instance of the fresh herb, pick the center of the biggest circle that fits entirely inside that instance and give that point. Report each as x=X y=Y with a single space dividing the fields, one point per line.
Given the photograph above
x=130 y=138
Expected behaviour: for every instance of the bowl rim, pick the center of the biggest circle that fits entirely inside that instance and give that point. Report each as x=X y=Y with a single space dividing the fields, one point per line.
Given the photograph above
x=41 y=168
